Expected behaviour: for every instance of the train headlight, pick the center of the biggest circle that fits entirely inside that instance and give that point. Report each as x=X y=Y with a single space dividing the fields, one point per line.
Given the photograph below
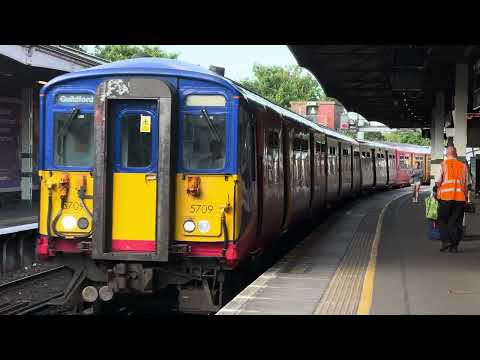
x=69 y=222
x=204 y=226
x=82 y=223
x=189 y=226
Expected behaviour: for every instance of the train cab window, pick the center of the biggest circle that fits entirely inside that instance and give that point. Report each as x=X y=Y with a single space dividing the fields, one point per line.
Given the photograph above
x=363 y=154
x=73 y=139
x=332 y=150
x=205 y=100
x=204 y=142
x=136 y=146
x=356 y=153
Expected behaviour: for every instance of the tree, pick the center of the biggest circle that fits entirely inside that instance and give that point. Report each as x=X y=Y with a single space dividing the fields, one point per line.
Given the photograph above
x=407 y=137
x=122 y=52
x=374 y=136
x=283 y=84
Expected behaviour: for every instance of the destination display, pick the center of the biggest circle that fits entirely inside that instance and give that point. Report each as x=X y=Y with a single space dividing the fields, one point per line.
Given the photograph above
x=70 y=99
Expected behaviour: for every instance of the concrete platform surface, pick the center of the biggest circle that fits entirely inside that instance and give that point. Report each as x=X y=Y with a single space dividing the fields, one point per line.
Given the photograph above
x=413 y=277
x=18 y=217
x=324 y=273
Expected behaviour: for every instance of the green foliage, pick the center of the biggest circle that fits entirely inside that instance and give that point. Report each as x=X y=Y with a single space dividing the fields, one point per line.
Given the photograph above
x=122 y=52
x=407 y=137
x=284 y=84
x=374 y=136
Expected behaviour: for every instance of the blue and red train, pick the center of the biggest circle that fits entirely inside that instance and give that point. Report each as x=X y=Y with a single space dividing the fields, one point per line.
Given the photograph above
x=157 y=174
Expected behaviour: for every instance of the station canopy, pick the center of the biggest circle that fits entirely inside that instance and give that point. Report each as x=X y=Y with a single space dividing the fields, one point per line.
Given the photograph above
x=394 y=85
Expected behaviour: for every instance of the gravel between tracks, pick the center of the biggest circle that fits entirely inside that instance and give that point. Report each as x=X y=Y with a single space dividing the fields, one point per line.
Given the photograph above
x=37 y=289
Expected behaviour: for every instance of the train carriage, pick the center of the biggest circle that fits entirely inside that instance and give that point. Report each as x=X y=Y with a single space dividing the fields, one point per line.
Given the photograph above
x=160 y=174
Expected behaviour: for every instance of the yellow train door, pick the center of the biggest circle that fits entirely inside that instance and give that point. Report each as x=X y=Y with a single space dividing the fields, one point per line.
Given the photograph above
x=132 y=172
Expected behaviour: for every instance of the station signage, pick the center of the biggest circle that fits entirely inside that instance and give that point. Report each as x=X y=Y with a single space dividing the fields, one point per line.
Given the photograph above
x=75 y=99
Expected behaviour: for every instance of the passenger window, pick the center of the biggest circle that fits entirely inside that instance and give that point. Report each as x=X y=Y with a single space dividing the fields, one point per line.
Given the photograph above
x=136 y=151
x=318 y=147
x=305 y=145
x=273 y=155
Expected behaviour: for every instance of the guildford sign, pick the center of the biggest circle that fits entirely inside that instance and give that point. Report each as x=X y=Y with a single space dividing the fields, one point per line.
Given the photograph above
x=68 y=99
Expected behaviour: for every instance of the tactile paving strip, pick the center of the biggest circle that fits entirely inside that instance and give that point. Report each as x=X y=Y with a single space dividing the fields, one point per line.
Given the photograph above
x=343 y=293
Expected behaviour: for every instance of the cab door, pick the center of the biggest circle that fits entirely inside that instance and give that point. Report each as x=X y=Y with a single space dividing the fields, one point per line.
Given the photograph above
x=133 y=175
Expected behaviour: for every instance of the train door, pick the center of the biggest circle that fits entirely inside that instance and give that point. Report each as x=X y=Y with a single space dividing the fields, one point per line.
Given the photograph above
x=133 y=170
x=374 y=167
x=133 y=174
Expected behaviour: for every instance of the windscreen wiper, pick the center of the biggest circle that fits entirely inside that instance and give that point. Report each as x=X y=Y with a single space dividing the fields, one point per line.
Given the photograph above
x=66 y=126
x=212 y=127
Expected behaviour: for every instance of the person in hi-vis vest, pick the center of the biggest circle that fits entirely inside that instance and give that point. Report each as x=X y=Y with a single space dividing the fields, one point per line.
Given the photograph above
x=452 y=183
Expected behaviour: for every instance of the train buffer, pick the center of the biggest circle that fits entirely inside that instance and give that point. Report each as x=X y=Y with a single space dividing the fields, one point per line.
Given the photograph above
x=371 y=257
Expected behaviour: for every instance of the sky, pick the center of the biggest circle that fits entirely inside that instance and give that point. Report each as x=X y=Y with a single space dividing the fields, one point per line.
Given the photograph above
x=237 y=60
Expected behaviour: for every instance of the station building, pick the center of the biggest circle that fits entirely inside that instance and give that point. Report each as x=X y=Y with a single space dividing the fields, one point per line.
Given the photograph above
x=24 y=69
x=328 y=113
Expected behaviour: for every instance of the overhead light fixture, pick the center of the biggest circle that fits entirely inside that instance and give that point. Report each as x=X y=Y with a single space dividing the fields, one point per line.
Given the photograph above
x=6 y=74
x=41 y=82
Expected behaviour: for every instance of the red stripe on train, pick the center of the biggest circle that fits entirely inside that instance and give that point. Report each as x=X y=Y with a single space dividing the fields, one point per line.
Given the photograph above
x=133 y=245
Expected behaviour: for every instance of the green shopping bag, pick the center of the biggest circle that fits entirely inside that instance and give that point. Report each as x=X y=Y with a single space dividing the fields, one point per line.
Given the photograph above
x=431 y=208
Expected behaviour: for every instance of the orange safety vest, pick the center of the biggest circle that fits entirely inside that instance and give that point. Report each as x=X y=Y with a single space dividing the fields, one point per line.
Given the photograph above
x=453 y=186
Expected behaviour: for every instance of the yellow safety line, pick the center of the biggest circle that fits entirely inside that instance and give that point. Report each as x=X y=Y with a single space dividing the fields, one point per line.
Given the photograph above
x=367 y=291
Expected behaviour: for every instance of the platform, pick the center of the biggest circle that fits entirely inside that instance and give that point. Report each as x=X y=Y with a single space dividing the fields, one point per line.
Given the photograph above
x=372 y=257
x=18 y=217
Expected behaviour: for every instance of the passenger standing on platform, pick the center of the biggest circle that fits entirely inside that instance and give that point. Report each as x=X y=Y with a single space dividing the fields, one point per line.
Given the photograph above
x=417 y=176
x=452 y=183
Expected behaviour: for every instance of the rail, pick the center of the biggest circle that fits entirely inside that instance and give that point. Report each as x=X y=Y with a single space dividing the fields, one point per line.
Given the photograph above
x=22 y=307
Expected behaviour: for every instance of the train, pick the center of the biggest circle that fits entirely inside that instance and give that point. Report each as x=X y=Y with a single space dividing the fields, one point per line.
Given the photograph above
x=157 y=174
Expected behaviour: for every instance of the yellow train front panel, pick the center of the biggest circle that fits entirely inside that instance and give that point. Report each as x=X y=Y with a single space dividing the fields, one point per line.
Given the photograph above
x=199 y=213
x=67 y=222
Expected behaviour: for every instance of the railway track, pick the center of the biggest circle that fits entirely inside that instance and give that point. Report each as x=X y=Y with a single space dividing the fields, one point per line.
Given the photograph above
x=19 y=306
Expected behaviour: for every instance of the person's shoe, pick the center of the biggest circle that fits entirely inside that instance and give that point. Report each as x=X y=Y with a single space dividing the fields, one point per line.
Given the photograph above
x=445 y=247
x=454 y=249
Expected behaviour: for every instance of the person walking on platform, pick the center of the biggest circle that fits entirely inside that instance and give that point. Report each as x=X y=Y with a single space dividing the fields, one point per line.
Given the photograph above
x=452 y=182
x=417 y=176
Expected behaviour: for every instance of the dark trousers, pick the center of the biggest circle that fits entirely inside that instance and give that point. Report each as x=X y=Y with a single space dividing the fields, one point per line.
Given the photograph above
x=450 y=221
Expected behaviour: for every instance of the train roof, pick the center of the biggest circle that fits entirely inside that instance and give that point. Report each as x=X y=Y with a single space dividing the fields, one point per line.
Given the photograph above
x=376 y=144
x=412 y=148
x=166 y=67
x=250 y=95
